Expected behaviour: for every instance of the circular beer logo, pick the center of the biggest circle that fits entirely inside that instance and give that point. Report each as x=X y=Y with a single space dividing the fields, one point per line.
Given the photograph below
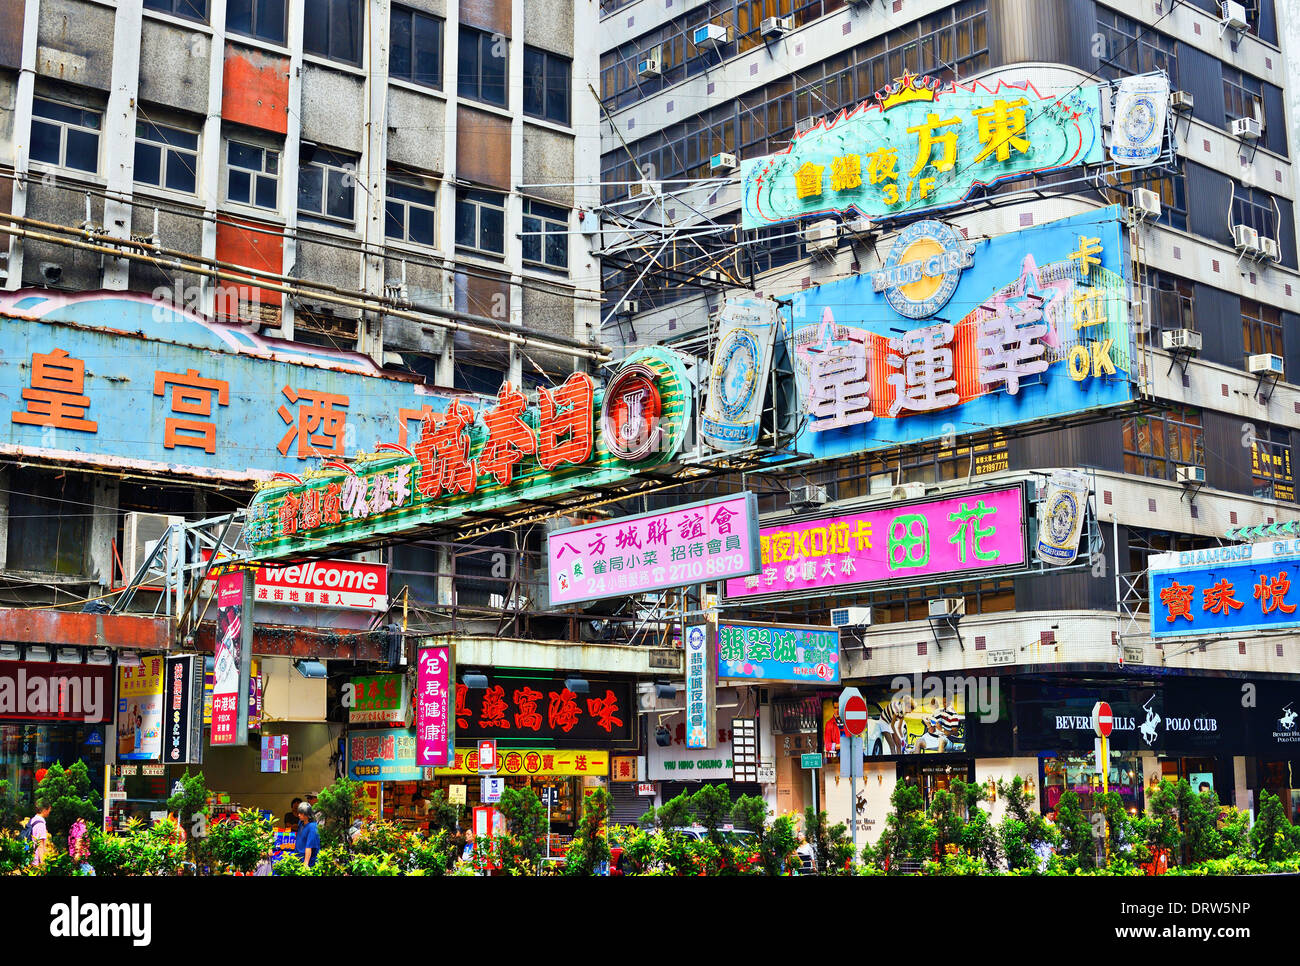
x=922 y=270
x=1060 y=517
x=736 y=372
x=1140 y=121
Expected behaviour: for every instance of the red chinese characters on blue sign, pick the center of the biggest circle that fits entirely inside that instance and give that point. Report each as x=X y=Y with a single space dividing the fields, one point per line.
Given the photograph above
x=1226 y=590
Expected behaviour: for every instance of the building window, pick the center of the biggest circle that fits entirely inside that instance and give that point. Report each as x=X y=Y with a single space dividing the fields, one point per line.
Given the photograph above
x=1170 y=301
x=1169 y=186
x=1254 y=208
x=263 y=19
x=415 y=47
x=332 y=28
x=1131 y=48
x=1270 y=464
x=189 y=9
x=546 y=239
x=1157 y=445
x=1261 y=329
x=409 y=212
x=481 y=71
x=65 y=135
x=481 y=221
x=1243 y=96
x=326 y=187
x=49 y=522
x=546 y=85
x=166 y=157
x=252 y=175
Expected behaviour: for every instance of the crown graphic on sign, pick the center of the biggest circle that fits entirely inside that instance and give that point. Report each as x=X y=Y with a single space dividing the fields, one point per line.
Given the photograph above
x=907 y=88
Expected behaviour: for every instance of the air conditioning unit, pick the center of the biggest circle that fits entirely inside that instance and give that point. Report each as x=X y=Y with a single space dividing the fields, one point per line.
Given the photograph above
x=1234 y=16
x=946 y=608
x=140 y=534
x=711 y=36
x=723 y=162
x=645 y=189
x=1245 y=239
x=907 y=491
x=1146 y=204
x=804 y=125
x=822 y=237
x=1190 y=474
x=1181 y=339
x=850 y=617
x=1181 y=101
x=856 y=227
x=808 y=496
x=651 y=65
x=1247 y=128
x=629 y=307
x=1265 y=363
x=1268 y=249
x=776 y=26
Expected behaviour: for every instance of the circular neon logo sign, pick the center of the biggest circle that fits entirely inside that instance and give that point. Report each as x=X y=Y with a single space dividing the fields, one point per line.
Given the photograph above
x=922 y=270
x=736 y=372
x=630 y=411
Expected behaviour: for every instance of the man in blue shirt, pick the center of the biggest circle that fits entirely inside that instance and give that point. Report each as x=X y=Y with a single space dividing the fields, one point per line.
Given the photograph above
x=306 y=843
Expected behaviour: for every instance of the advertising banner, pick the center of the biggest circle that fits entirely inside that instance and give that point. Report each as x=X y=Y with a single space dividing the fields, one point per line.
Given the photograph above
x=1060 y=517
x=543 y=708
x=383 y=755
x=56 y=692
x=701 y=691
x=486 y=452
x=1225 y=590
x=533 y=762
x=922 y=144
x=1138 y=128
x=433 y=733
x=140 y=711
x=232 y=657
x=380 y=699
x=960 y=535
x=798 y=653
x=183 y=742
x=911 y=724
x=275 y=754
x=692 y=544
x=951 y=336
x=335 y=584
x=127 y=380
x=739 y=377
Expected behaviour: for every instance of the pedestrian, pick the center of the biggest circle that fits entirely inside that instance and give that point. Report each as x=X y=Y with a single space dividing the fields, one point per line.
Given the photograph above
x=38 y=831
x=291 y=816
x=306 y=843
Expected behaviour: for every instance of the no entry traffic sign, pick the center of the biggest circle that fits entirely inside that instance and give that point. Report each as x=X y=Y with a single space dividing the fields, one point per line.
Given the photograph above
x=1102 y=719
x=853 y=711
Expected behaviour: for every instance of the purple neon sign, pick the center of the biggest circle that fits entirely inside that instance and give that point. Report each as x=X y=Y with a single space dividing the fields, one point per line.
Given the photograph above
x=960 y=535
x=713 y=540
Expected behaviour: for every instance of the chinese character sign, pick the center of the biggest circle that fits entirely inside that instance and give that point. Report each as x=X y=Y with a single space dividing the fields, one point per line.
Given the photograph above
x=952 y=336
x=1226 y=590
x=922 y=144
x=693 y=544
x=140 y=711
x=379 y=699
x=232 y=670
x=433 y=736
x=956 y=536
x=383 y=755
x=701 y=700
x=544 y=708
x=534 y=763
x=181 y=726
x=769 y=652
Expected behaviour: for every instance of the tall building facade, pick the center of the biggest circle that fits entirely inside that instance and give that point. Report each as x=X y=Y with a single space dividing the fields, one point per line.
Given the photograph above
x=694 y=91
x=245 y=238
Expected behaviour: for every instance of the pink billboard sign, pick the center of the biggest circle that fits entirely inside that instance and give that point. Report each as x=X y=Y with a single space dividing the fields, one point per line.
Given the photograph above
x=432 y=714
x=956 y=536
x=713 y=540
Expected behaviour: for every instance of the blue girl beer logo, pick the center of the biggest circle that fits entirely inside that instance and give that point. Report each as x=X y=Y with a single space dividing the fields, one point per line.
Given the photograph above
x=922 y=270
x=738 y=363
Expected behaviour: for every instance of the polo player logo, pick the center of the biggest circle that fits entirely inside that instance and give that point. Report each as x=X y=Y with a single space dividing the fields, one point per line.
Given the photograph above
x=1287 y=721
x=1149 y=726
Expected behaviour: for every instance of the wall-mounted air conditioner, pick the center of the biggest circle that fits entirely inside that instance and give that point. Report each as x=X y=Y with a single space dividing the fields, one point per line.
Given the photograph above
x=723 y=162
x=947 y=608
x=629 y=307
x=1245 y=239
x=776 y=26
x=140 y=534
x=1233 y=16
x=1266 y=363
x=1190 y=474
x=1146 y=204
x=850 y=617
x=651 y=64
x=907 y=491
x=858 y=227
x=711 y=36
x=1268 y=249
x=645 y=189
x=822 y=237
x=807 y=496
x=1247 y=128
x=1181 y=101
x=1184 y=340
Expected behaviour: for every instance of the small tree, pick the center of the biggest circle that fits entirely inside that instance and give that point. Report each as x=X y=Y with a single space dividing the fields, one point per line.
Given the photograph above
x=1271 y=838
x=712 y=808
x=337 y=806
x=590 y=846
x=1076 y=831
x=443 y=814
x=674 y=813
x=1158 y=828
x=908 y=834
x=526 y=816
x=70 y=796
x=1023 y=832
x=190 y=801
x=11 y=813
x=239 y=844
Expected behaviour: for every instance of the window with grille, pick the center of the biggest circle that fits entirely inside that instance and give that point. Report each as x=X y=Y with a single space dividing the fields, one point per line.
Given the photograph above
x=482 y=67
x=481 y=221
x=410 y=211
x=166 y=156
x=263 y=19
x=415 y=47
x=1261 y=329
x=65 y=135
x=1156 y=445
x=253 y=175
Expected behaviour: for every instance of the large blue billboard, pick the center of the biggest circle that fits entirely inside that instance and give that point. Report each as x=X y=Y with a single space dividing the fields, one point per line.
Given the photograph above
x=125 y=380
x=1226 y=590
x=954 y=335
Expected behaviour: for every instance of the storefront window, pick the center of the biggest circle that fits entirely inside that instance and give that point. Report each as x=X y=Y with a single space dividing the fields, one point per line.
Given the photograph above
x=26 y=748
x=1078 y=774
x=932 y=777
